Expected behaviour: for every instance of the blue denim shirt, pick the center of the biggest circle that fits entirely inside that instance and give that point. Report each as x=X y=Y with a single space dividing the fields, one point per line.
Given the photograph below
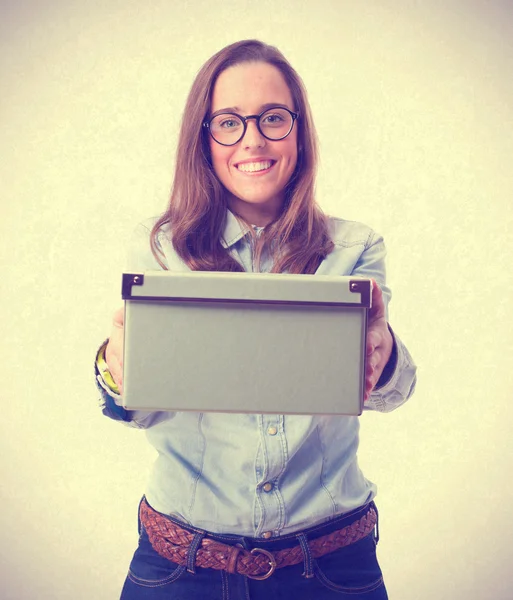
x=256 y=474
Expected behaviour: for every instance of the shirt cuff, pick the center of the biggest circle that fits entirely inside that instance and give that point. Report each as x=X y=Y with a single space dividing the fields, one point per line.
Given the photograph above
x=399 y=387
x=111 y=403
x=391 y=365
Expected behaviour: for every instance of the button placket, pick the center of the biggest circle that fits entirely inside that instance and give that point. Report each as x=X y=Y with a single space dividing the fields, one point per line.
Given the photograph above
x=268 y=494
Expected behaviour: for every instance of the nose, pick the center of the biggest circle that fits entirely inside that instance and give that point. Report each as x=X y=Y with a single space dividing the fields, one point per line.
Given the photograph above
x=252 y=137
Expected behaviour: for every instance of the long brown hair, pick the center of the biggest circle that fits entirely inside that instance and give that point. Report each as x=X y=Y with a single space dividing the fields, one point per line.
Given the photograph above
x=298 y=239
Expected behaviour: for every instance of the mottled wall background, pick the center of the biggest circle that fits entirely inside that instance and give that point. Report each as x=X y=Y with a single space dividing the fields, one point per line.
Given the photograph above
x=413 y=103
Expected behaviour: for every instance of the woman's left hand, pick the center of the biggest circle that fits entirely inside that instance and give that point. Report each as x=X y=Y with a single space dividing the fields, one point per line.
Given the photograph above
x=379 y=340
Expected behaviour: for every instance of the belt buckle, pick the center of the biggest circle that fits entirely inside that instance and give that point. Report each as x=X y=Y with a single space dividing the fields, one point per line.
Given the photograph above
x=272 y=563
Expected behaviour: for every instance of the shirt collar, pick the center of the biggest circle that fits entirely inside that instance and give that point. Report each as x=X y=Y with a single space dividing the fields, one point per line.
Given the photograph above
x=233 y=230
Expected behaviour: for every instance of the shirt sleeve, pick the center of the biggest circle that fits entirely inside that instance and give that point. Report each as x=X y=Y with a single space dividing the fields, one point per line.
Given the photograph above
x=397 y=382
x=111 y=405
x=139 y=258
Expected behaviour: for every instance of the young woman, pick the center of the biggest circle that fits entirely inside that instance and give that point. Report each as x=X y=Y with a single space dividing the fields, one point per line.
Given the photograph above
x=253 y=505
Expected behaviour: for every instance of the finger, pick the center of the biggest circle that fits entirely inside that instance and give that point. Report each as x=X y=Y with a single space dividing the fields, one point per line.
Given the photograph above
x=373 y=340
x=373 y=372
x=114 y=369
x=117 y=375
x=114 y=363
x=377 y=309
x=367 y=390
x=118 y=318
x=370 y=370
x=369 y=377
x=113 y=360
x=369 y=385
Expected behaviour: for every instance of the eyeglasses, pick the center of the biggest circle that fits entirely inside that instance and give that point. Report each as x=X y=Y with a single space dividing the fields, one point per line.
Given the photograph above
x=229 y=128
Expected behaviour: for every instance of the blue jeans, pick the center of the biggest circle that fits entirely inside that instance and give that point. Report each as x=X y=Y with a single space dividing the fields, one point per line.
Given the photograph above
x=349 y=572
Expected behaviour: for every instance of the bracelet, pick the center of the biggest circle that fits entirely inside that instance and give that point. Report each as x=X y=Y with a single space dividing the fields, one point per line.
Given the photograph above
x=103 y=369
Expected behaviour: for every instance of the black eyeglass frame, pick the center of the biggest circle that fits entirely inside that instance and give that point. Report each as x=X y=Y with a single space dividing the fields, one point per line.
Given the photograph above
x=294 y=115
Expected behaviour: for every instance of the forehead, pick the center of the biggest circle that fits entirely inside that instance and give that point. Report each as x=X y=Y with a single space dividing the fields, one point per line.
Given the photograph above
x=248 y=86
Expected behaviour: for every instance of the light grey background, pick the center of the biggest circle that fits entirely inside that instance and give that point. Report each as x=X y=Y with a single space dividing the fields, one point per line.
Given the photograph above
x=412 y=101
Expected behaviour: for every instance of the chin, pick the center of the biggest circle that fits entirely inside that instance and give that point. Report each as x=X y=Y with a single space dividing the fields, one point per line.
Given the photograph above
x=262 y=201
x=249 y=206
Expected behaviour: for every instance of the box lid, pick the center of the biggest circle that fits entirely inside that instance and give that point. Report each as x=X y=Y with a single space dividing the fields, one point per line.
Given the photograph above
x=224 y=286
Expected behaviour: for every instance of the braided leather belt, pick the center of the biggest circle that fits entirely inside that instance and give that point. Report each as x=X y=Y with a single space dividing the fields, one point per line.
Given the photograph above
x=173 y=542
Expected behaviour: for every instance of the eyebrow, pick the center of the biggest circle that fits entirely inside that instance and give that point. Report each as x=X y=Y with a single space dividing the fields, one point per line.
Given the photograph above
x=236 y=109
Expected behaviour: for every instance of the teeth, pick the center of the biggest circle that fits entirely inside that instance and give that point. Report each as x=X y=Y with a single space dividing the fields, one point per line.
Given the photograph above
x=256 y=166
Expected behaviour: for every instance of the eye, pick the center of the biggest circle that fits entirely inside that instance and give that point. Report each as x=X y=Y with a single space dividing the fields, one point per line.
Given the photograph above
x=273 y=119
x=229 y=123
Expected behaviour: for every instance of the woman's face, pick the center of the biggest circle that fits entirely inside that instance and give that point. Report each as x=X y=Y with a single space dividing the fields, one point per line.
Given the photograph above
x=244 y=89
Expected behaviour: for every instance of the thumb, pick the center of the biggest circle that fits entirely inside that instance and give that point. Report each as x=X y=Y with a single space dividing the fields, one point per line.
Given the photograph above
x=377 y=309
x=119 y=317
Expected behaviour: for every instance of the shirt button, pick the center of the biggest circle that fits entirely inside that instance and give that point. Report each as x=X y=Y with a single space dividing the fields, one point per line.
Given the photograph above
x=272 y=430
x=267 y=487
x=267 y=535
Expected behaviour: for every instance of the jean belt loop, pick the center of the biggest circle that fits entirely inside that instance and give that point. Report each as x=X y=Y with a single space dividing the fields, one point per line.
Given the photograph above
x=303 y=542
x=139 y=523
x=376 y=535
x=193 y=548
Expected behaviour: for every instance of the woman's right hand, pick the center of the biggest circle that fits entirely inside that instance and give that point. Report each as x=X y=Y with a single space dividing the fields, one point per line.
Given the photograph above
x=114 y=350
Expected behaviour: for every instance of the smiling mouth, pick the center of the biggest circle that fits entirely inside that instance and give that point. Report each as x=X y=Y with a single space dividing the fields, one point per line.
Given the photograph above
x=256 y=167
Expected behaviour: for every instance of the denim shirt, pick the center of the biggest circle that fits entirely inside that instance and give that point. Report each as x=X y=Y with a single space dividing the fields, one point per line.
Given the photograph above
x=263 y=474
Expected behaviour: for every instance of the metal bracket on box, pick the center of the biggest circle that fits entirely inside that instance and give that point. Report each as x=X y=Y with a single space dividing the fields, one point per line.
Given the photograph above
x=129 y=280
x=357 y=286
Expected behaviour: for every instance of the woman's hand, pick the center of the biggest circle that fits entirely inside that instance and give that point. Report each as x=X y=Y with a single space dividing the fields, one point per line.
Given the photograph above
x=379 y=341
x=114 y=350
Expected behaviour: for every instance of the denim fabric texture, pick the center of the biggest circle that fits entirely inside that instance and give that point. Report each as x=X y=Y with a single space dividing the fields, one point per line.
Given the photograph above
x=260 y=475
x=349 y=572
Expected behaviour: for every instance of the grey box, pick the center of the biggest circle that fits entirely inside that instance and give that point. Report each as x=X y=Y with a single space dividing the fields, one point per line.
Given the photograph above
x=245 y=342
